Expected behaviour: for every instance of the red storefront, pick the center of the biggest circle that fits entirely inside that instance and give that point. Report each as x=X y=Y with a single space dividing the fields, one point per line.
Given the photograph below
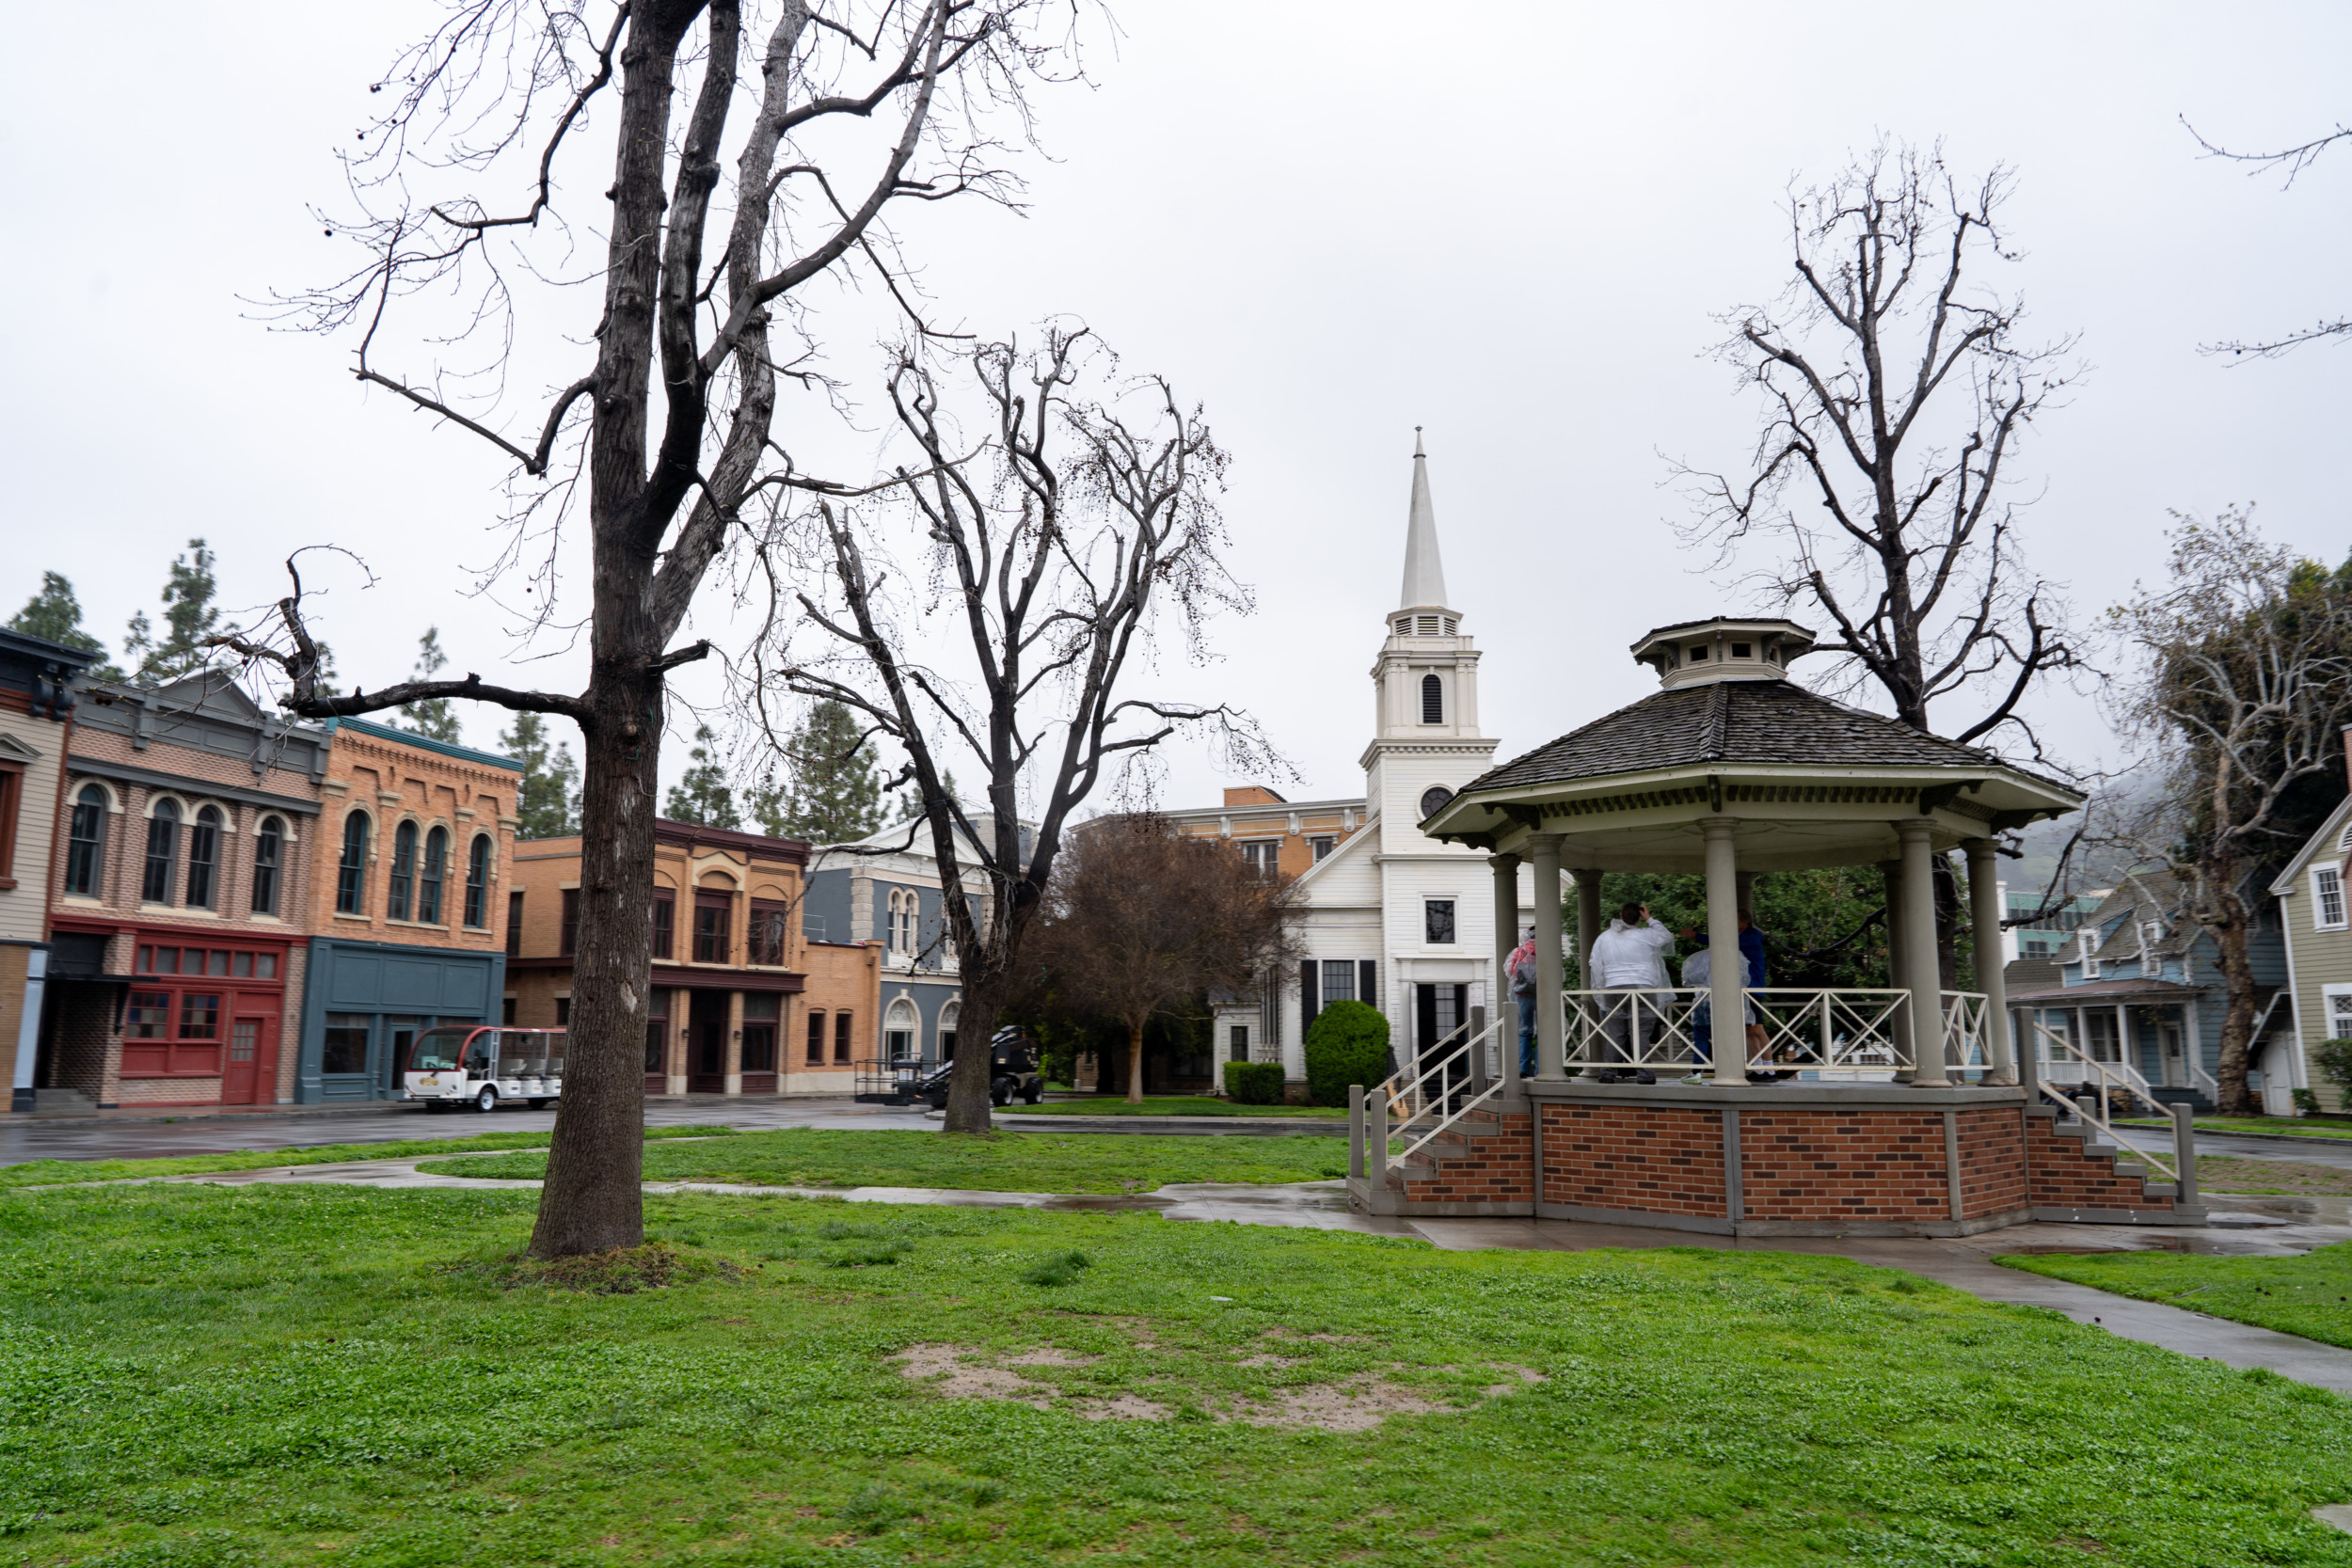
x=198 y=1005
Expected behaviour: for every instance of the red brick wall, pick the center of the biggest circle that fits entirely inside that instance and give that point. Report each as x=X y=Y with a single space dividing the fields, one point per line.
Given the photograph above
x=1992 y=1164
x=1830 y=1164
x=1664 y=1161
x=1490 y=1165
x=2063 y=1178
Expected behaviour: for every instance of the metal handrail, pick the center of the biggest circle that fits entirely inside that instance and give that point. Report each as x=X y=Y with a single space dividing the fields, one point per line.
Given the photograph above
x=1409 y=1092
x=2098 y=1117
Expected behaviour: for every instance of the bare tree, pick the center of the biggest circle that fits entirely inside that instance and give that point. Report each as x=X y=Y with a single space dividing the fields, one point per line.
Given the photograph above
x=669 y=423
x=1895 y=390
x=2289 y=162
x=2244 y=691
x=1142 y=924
x=1054 y=539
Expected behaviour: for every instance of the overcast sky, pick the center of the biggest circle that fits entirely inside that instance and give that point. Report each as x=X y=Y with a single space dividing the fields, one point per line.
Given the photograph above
x=1508 y=224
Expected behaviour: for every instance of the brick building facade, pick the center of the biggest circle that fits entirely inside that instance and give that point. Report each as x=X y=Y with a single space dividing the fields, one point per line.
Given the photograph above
x=744 y=1000
x=406 y=905
x=178 y=895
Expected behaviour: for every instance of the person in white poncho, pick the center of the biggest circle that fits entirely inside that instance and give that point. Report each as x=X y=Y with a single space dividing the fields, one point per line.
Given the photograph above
x=1630 y=957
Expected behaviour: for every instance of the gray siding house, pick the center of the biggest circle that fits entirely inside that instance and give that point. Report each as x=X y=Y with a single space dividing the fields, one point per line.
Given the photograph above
x=2140 y=991
x=2312 y=906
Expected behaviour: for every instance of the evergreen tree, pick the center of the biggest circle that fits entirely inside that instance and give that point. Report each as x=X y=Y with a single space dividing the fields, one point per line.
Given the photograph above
x=547 y=805
x=436 y=718
x=56 y=614
x=910 y=799
x=189 y=617
x=701 y=796
x=832 y=792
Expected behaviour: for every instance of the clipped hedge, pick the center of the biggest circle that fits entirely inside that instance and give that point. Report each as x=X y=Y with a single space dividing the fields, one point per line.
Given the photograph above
x=1254 y=1083
x=1347 y=1043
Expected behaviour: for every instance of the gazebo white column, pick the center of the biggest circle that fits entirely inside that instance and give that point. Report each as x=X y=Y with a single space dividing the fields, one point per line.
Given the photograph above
x=1551 y=976
x=1506 y=1007
x=1726 y=975
x=1589 y=924
x=1984 y=915
x=1898 y=971
x=1922 y=977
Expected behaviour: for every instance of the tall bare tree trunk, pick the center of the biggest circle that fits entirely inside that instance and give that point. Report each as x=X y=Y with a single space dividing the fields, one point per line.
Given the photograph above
x=1134 y=1064
x=2237 y=1018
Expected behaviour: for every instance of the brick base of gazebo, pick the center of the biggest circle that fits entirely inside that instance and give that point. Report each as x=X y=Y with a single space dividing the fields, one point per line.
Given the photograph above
x=1798 y=1159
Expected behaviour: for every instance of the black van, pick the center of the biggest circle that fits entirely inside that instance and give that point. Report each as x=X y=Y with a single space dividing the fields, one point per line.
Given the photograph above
x=1011 y=1073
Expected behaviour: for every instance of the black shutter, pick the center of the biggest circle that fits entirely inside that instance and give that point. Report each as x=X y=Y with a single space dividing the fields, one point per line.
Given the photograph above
x=1309 y=996
x=1368 y=982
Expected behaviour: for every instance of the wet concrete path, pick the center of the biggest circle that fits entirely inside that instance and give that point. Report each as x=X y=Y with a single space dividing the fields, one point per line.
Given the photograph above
x=2260 y=1228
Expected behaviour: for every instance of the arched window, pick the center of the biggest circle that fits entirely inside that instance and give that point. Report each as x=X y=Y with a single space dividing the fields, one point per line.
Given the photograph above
x=435 y=870
x=903 y=905
x=163 y=853
x=1431 y=700
x=403 y=882
x=269 y=854
x=478 y=888
x=901 y=1026
x=204 y=858
x=351 y=873
x=947 y=1017
x=86 y=851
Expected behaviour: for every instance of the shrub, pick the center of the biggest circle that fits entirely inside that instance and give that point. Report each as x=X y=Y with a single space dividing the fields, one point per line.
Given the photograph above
x=2334 y=1060
x=1347 y=1043
x=2306 y=1104
x=1254 y=1083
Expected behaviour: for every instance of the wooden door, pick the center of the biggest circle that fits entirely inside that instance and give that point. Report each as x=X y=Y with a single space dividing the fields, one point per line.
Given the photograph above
x=707 y=1043
x=252 y=1060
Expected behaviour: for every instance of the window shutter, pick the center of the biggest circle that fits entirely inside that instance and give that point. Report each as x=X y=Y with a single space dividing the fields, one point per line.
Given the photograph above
x=1309 y=995
x=1368 y=982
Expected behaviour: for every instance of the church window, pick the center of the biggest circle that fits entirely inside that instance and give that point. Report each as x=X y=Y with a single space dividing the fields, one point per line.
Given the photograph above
x=1437 y=918
x=1338 y=980
x=1431 y=700
x=1433 y=800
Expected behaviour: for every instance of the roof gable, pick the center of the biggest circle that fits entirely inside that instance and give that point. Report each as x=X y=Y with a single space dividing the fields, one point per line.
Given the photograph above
x=2327 y=842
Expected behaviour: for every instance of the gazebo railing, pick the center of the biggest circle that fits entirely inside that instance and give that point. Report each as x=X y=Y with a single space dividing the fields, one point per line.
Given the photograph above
x=1827 y=1032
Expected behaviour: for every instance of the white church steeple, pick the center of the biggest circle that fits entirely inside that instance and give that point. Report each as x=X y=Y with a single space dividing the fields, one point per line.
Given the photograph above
x=1424 y=570
x=1425 y=685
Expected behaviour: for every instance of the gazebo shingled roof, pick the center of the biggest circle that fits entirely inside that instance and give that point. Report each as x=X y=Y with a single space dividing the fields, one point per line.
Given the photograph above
x=1759 y=722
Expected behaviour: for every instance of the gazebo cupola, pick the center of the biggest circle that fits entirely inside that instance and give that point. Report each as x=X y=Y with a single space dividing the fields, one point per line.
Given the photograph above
x=1699 y=652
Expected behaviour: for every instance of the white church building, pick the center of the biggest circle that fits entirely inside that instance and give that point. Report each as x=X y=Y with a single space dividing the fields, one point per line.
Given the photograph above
x=1389 y=915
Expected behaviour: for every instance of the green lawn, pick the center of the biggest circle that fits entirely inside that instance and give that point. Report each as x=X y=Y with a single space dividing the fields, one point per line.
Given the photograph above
x=2218 y=1174
x=1005 y=1162
x=2310 y=1295
x=195 y=1377
x=2298 y=1127
x=1168 y=1105
x=43 y=1173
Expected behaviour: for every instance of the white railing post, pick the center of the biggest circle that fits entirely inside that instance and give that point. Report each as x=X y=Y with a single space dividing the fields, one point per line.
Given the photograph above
x=1377 y=1138
x=2183 y=1155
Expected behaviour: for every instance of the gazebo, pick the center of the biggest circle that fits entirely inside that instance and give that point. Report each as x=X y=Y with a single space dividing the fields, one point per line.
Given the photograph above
x=1896 y=1110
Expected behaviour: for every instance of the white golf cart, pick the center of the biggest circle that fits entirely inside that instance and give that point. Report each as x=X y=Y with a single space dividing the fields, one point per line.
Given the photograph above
x=480 y=1065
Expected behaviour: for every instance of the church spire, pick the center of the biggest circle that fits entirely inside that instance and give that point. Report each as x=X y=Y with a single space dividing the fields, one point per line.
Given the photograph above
x=1424 y=574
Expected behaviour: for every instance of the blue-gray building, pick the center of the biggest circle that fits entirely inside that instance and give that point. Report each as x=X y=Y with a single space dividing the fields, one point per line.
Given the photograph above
x=2138 y=988
x=885 y=889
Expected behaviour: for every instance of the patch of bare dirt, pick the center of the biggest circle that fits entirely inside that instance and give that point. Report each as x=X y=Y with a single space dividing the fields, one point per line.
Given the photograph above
x=1355 y=1403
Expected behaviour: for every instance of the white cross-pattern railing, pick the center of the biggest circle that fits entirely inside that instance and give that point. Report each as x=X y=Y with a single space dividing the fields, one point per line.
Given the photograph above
x=1829 y=1032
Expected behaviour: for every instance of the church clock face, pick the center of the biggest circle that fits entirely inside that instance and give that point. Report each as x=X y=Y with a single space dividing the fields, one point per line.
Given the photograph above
x=1433 y=800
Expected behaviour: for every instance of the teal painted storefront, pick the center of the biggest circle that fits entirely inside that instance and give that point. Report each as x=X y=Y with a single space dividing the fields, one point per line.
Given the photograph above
x=363 y=1001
